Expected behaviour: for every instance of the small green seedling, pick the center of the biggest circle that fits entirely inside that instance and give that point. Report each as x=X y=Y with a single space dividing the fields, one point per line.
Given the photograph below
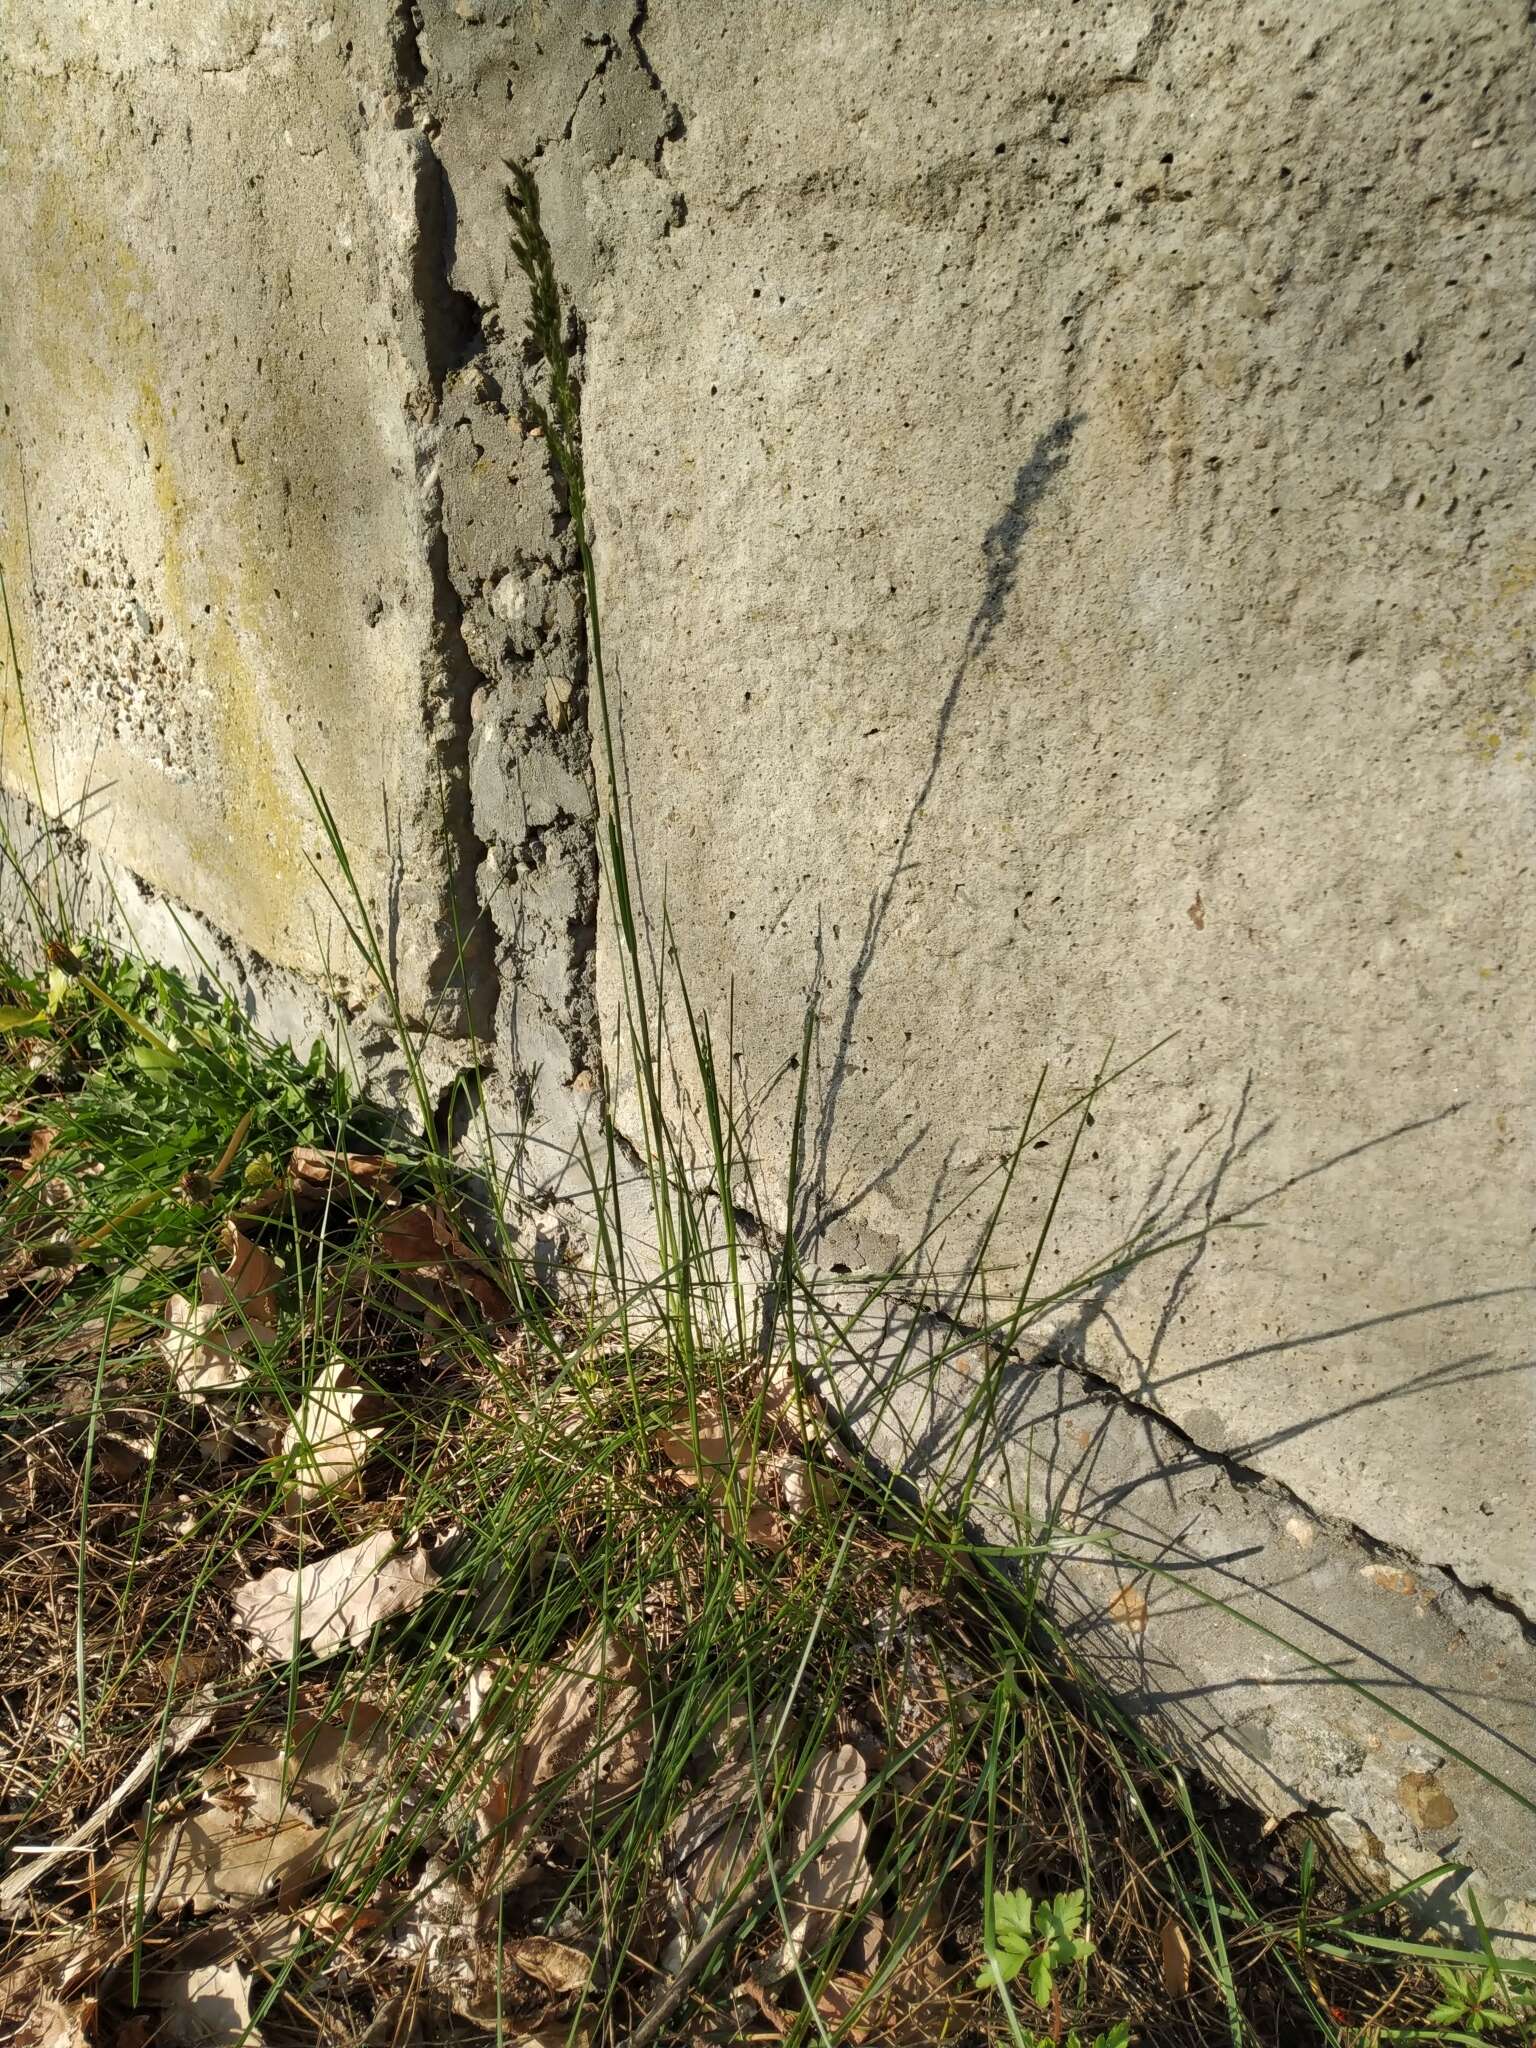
x=1484 y=2004
x=1119 y=2036
x=1038 y=1935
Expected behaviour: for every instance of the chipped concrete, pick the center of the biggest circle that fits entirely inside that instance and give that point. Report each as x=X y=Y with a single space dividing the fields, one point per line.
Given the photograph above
x=568 y=87
x=1290 y=1657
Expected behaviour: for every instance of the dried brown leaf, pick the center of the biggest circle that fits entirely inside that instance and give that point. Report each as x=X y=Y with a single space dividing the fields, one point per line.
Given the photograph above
x=325 y=1441
x=594 y=1721
x=203 y=1357
x=701 y=1446
x=586 y=1746
x=706 y=1451
x=554 y=1965
x=1176 y=1959
x=337 y=1601
x=54 y=1970
x=804 y=1487
x=714 y=1841
x=441 y=1929
x=314 y=1173
x=836 y=1879
x=250 y=1280
x=333 y=1770
x=40 y=1142
x=436 y=1263
x=210 y=2007
x=839 y=1998
x=219 y=1856
x=51 y=2023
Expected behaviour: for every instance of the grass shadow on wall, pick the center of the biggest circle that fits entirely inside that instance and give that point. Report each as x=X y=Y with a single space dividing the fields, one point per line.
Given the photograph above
x=1001 y=550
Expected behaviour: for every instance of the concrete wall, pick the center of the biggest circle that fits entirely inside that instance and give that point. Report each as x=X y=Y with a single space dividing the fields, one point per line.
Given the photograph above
x=221 y=352
x=1066 y=527
x=1063 y=494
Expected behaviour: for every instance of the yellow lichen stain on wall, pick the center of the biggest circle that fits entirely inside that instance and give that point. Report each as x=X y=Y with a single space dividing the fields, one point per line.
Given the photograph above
x=113 y=437
x=1508 y=734
x=251 y=826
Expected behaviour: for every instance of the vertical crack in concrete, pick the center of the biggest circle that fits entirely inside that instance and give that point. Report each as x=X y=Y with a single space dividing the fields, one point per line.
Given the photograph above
x=672 y=126
x=512 y=598
x=462 y=970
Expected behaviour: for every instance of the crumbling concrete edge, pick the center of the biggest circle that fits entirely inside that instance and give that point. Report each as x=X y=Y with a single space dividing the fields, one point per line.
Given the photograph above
x=1294 y=1661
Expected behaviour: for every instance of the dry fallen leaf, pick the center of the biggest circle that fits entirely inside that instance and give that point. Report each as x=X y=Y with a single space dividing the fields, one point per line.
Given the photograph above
x=587 y=1744
x=595 y=1722
x=339 y=1600
x=435 y=1263
x=1176 y=1959
x=205 y=1341
x=836 y=1879
x=314 y=1175
x=220 y=1856
x=701 y=1446
x=51 y=2023
x=442 y=1931
x=334 y=1771
x=706 y=1452
x=327 y=1445
x=40 y=1141
x=121 y=1451
x=203 y=1358
x=805 y=1486
x=249 y=1282
x=42 y=1992
x=714 y=1841
x=210 y=2007
x=838 y=1999
x=555 y=1965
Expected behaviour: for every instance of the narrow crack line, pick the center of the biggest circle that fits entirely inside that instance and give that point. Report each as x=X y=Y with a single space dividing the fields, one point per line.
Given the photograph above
x=610 y=51
x=673 y=125
x=1249 y=1479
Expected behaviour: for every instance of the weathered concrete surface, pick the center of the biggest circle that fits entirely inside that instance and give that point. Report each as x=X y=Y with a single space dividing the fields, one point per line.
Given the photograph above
x=222 y=338
x=1064 y=494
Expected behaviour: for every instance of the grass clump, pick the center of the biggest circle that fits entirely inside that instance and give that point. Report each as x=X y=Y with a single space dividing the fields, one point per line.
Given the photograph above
x=397 y=1654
